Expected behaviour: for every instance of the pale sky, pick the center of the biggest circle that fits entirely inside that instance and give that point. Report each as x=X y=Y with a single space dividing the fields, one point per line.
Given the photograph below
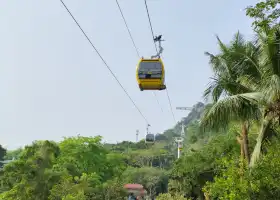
x=53 y=84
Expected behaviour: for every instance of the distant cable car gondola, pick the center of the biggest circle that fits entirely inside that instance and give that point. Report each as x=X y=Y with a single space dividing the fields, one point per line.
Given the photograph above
x=150 y=74
x=150 y=138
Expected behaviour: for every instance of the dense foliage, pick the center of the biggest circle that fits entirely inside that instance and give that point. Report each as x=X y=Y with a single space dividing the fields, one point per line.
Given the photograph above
x=231 y=146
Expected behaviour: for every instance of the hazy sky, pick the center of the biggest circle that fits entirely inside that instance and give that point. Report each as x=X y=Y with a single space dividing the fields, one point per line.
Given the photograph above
x=53 y=84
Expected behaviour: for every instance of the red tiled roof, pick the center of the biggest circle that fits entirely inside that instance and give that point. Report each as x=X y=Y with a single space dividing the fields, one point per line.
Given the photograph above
x=133 y=186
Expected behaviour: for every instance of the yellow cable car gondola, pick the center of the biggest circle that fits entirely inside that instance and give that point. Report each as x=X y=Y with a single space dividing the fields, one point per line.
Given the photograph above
x=150 y=74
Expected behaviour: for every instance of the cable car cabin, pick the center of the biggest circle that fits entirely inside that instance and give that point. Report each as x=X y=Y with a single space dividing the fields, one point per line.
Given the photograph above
x=150 y=138
x=150 y=74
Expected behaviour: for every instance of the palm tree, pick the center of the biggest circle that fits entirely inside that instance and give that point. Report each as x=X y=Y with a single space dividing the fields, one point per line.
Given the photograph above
x=258 y=69
x=268 y=43
x=230 y=69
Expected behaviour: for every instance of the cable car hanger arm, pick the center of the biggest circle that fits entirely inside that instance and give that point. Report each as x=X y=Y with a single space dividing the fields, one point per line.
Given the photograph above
x=159 y=40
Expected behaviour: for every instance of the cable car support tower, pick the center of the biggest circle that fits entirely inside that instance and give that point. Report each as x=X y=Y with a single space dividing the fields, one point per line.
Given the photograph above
x=180 y=140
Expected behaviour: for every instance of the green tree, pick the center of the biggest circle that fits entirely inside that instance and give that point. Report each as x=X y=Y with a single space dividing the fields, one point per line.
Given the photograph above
x=265 y=14
x=31 y=176
x=13 y=154
x=231 y=182
x=3 y=153
x=194 y=169
x=171 y=197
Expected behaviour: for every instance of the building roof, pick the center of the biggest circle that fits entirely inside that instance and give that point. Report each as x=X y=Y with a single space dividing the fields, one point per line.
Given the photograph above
x=133 y=186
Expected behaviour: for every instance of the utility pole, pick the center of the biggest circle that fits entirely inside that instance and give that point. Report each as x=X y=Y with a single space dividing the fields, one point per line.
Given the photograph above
x=137 y=134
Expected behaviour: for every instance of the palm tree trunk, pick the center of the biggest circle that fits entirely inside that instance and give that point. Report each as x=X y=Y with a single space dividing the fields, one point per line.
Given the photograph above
x=241 y=143
x=257 y=150
x=206 y=196
x=245 y=141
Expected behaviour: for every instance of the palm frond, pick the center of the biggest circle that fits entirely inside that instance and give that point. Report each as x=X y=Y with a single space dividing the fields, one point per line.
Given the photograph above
x=223 y=48
x=217 y=64
x=213 y=91
x=233 y=87
x=271 y=88
x=249 y=82
x=237 y=41
x=269 y=47
x=248 y=64
x=232 y=108
x=224 y=85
